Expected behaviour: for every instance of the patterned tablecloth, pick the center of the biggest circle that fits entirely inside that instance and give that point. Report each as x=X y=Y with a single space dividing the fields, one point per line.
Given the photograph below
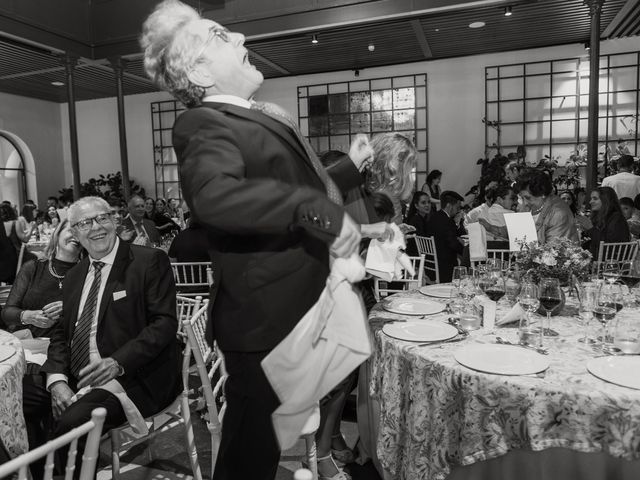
x=436 y=413
x=13 y=432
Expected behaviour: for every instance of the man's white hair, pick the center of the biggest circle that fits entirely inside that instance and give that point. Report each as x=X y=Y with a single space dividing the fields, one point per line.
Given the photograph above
x=74 y=209
x=170 y=50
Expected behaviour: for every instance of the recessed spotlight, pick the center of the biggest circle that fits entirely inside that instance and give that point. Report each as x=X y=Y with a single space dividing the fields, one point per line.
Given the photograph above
x=507 y=11
x=437 y=29
x=314 y=38
x=57 y=84
x=477 y=25
x=371 y=47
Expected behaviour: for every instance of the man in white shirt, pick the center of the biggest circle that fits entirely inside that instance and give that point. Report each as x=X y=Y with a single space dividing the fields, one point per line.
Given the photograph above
x=625 y=183
x=115 y=345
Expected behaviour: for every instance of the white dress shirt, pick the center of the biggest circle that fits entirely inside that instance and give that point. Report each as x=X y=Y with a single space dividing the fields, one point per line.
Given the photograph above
x=625 y=184
x=230 y=99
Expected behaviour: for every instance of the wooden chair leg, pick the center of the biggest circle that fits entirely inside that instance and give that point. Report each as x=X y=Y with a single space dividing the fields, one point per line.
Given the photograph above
x=115 y=454
x=191 y=442
x=312 y=460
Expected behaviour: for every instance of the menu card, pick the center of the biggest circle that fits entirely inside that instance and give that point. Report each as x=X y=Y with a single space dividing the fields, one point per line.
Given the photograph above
x=521 y=228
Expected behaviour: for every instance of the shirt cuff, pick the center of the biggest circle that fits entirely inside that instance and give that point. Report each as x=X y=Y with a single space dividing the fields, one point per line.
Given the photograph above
x=55 y=377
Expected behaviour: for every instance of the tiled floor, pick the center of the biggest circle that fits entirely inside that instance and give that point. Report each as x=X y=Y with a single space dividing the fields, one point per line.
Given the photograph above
x=165 y=457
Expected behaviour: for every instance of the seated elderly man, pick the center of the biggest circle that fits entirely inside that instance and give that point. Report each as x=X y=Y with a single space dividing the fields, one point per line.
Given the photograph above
x=136 y=229
x=115 y=345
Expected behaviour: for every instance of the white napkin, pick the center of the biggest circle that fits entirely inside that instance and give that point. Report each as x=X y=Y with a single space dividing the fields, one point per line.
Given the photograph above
x=386 y=259
x=514 y=315
x=325 y=346
x=477 y=242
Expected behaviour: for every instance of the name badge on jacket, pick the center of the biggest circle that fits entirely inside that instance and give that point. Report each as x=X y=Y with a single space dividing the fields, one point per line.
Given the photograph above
x=119 y=295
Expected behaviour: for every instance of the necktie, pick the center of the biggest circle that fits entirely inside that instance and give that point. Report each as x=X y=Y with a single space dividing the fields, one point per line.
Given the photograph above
x=274 y=111
x=80 y=340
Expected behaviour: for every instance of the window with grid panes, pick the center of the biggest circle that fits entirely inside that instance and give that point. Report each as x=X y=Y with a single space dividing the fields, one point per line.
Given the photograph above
x=544 y=106
x=163 y=116
x=331 y=114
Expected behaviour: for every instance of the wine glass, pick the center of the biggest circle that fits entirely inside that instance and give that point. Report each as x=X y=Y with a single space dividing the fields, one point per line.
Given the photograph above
x=607 y=305
x=492 y=284
x=630 y=273
x=512 y=286
x=588 y=293
x=530 y=332
x=458 y=274
x=611 y=271
x=550 y=296
x=468 y=287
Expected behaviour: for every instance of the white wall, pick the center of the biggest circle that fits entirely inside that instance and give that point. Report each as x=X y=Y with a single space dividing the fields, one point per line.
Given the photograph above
x=37 y=123
x=455 y=109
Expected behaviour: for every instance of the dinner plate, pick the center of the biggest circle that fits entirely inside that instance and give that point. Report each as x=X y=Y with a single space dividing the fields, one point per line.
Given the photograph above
x=420 y=331
x=501 y=359
x=413 y=306
x=6 y=352
x=439 y=290
x=621 y=370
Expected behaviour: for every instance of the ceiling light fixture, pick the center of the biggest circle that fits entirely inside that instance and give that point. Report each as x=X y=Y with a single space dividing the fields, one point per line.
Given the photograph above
x=57 y=84
x=371 y=47
x=507 y=11
x=587 y=46
x=477 y=25
x=314 y=38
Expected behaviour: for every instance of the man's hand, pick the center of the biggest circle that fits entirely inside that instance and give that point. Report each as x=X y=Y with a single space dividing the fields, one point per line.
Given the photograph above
x=60 y=398
x=37 y=318
x=381 y=230
x=348 y=241
x=53 y=310
x=126 y=235
x=360 y=152
x=98 y=372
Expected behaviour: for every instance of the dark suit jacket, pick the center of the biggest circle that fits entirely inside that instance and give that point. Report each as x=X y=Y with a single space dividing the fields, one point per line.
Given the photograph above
x=138 y=330
x=149 y=226
x=444 y=232
x=248 y=180
x=616 y=229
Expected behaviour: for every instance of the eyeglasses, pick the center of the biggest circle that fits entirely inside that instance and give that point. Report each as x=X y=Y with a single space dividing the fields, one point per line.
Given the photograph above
x=86 y=224
x=215 y=31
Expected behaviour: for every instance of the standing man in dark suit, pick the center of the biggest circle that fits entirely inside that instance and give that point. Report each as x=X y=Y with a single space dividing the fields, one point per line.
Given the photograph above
x=271 y=213
x=444 y=230
x=117 y=334
x=135 y=228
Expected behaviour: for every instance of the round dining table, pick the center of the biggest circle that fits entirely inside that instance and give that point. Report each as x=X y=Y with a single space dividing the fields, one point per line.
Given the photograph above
x=430 y=417
x=13 y=432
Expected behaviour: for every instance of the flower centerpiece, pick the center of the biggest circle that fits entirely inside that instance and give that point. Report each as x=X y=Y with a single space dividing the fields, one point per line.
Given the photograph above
x=559 y=258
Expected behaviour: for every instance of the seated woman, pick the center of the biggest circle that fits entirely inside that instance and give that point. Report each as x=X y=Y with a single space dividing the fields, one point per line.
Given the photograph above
x=609 y=224
x=432 y=186
x=632 y=216
x=501 y=198
x=552 y=216
x=35 y=300
x=582 y=221
x=163 y=220
x=419 y=211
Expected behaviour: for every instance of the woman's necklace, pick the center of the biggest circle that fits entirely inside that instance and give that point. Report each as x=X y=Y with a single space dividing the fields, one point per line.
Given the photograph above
x=539 y=209
x=54 y=274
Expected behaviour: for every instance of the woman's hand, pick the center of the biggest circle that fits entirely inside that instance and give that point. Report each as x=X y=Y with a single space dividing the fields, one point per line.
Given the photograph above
x=37 y=318
x=53 y=310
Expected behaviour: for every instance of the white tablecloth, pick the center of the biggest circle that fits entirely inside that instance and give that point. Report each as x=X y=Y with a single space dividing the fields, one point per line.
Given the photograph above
x=13 y=430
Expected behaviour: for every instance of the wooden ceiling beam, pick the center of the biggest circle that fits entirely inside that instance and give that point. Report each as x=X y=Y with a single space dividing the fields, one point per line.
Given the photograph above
x=420 y=37
x=623 y=16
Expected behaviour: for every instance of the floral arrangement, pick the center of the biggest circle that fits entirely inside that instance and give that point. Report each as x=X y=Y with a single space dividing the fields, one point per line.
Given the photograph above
x=560 y=258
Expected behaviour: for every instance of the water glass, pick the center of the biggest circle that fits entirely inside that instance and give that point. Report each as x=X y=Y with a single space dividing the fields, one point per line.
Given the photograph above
x=458 y=274
x=530 y=328
x=588 y=296
x=609 y=302
x=627 y=334
x=512 y=286
x=470 y=318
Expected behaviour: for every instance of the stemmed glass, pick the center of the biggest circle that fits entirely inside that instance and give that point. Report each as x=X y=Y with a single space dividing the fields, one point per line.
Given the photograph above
x=588 y=293
x=607 y=305
x=611 y=271
x=492 y=284
x=468 y=286
x=530 y=333
x=630 y=273
x=512 y=286
x=458 y=274
x=550 y=296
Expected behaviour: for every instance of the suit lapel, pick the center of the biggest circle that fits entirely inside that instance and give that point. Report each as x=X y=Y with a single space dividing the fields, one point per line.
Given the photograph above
x=282 y=131
x=120 y=263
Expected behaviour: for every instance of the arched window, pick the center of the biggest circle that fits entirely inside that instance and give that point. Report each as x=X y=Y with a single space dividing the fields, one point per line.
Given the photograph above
x=13 y=185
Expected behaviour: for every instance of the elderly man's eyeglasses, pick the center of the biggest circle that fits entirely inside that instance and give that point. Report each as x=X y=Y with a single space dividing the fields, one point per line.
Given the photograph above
x=215 y=31
x=85 y=224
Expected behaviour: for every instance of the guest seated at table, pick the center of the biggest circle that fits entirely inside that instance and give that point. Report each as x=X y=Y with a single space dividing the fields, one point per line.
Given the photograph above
x=149 y=208
x=472 y=215
x=582 y=221
x=444 y=230
x=419 y=213
x=632 y=216
x=163 y=220
x=35 y=300
x=137 y=229
x=130 y=365
x=502 y=199
x=609 y=224
x=552 y=216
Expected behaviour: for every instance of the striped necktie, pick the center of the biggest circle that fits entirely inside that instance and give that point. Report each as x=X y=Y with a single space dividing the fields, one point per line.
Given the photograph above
x=80 y=340
x=274 y=111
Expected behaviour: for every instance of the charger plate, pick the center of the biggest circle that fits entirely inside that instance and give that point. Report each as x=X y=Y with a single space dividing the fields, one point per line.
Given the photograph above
x=621 y=370
x=501 y=359
x=420 y=331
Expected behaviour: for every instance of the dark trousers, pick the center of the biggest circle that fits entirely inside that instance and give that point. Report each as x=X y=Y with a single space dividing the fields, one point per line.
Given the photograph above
x=248 y=448
x=37 y=413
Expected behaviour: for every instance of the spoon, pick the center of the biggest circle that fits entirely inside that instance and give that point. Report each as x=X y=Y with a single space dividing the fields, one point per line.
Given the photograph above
x=541 y=350
x=453 y=321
